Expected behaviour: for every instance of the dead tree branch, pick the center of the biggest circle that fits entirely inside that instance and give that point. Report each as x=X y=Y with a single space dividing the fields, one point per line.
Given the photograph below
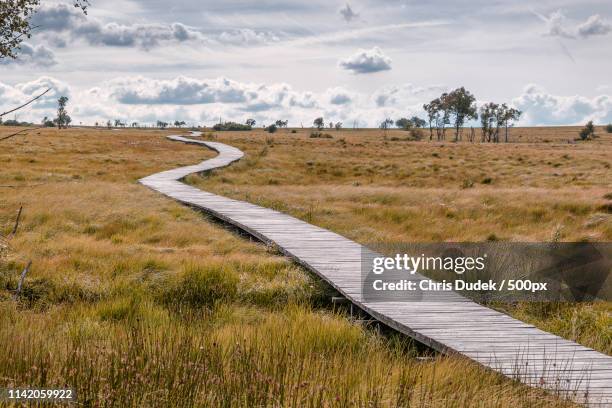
x=22 y=278
x=20 y=132
x=17 y=220
x=24 y=185
x=25 y=104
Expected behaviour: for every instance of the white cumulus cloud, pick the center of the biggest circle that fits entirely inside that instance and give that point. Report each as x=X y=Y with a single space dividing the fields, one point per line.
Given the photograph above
x=367 y=61
x=543 y=108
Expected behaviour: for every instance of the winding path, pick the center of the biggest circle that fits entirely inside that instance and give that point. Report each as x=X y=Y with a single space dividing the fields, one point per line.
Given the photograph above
x=495 y=340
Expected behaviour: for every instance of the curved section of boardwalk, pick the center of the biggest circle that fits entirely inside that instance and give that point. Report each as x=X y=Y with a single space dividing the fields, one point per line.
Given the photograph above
x=495 y=340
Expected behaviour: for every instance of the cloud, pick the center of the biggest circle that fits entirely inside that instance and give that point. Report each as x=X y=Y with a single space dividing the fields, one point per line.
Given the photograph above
x=12 y=96
x=405 y=95
x=181 y=90
x=348 y=14
x=364 y=33
x=367 y=61
x=62 y=19
x=542 y=108
x=38 y=55
x=594 y=26
x=558 y=25
x=246 y=36
x=247 y=97
x=339 y=96
x=203 y=101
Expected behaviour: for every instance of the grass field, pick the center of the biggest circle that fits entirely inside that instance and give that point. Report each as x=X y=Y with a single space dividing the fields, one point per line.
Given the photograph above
x=135 y=300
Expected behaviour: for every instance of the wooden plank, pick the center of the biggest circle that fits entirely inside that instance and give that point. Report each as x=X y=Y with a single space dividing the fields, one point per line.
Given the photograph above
x=447 y=322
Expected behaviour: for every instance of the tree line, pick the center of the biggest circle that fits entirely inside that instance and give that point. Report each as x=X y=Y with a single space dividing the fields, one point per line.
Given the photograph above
x=449 y=111
x=457 y=107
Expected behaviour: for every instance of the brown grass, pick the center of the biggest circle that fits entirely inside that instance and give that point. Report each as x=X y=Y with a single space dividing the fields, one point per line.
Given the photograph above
x=113 y=303
x=372 y=190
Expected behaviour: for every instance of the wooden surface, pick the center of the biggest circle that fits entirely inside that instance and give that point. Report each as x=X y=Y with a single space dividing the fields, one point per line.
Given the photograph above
x=453 y=326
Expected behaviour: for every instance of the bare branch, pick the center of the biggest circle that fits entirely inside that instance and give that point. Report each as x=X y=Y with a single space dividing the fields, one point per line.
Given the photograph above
x=23 y=185
x=17 y=220
x=22 y=278
x=20 y=132
x=25 y=104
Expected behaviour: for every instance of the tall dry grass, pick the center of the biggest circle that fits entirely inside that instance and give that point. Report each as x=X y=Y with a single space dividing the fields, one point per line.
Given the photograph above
x=134 y=300
x=372 y=190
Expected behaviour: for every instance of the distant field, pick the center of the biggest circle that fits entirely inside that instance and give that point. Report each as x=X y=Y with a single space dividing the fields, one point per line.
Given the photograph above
x=371 y=189
x=134 y=299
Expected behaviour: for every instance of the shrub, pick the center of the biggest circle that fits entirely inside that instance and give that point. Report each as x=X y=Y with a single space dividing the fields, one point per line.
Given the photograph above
x=588 y=132
x=227 y=126
x=319 y=135
x=272 y=128
x=609 y=128
x=201 y=286
x=404 y=123
x=416 y=134
x=467 y=183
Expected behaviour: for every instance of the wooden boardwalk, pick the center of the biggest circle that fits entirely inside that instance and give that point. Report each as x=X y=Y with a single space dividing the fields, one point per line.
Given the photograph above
x=495 y=340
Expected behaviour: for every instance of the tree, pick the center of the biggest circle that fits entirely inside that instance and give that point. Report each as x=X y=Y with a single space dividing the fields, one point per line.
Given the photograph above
x=588 y=132
x=418 y=122
x=432 y=111
x=404 y=123
x=251 y=122
x=384 y=125
x=46 y=122
x=109 y=124
x=282 y=123
x=338 y=125
x=319 y=123
x=162 y=124
x=15 y=24
x=63 y=119
x=509 y=115
x=488 y=121
x=179 y=124
x=461 y=105
x=439 y=114
x=609 y=128
x=443 y=118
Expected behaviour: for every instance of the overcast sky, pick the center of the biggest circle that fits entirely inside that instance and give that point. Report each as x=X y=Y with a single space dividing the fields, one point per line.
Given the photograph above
x=355 y=62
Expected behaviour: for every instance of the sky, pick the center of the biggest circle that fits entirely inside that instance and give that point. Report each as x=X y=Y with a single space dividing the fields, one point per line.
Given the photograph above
x=355 y=62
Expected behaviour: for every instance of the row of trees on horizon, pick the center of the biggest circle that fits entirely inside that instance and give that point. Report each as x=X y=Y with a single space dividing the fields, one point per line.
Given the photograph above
x=452 y=110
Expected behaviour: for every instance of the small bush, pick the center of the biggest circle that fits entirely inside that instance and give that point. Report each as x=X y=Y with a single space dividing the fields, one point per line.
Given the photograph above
x=467 y=183
x=609 y=128
x=293 y=131
x=588 y=132
x=231 y=126
x=319 y=135
x=272 y=128
x=416 y=134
